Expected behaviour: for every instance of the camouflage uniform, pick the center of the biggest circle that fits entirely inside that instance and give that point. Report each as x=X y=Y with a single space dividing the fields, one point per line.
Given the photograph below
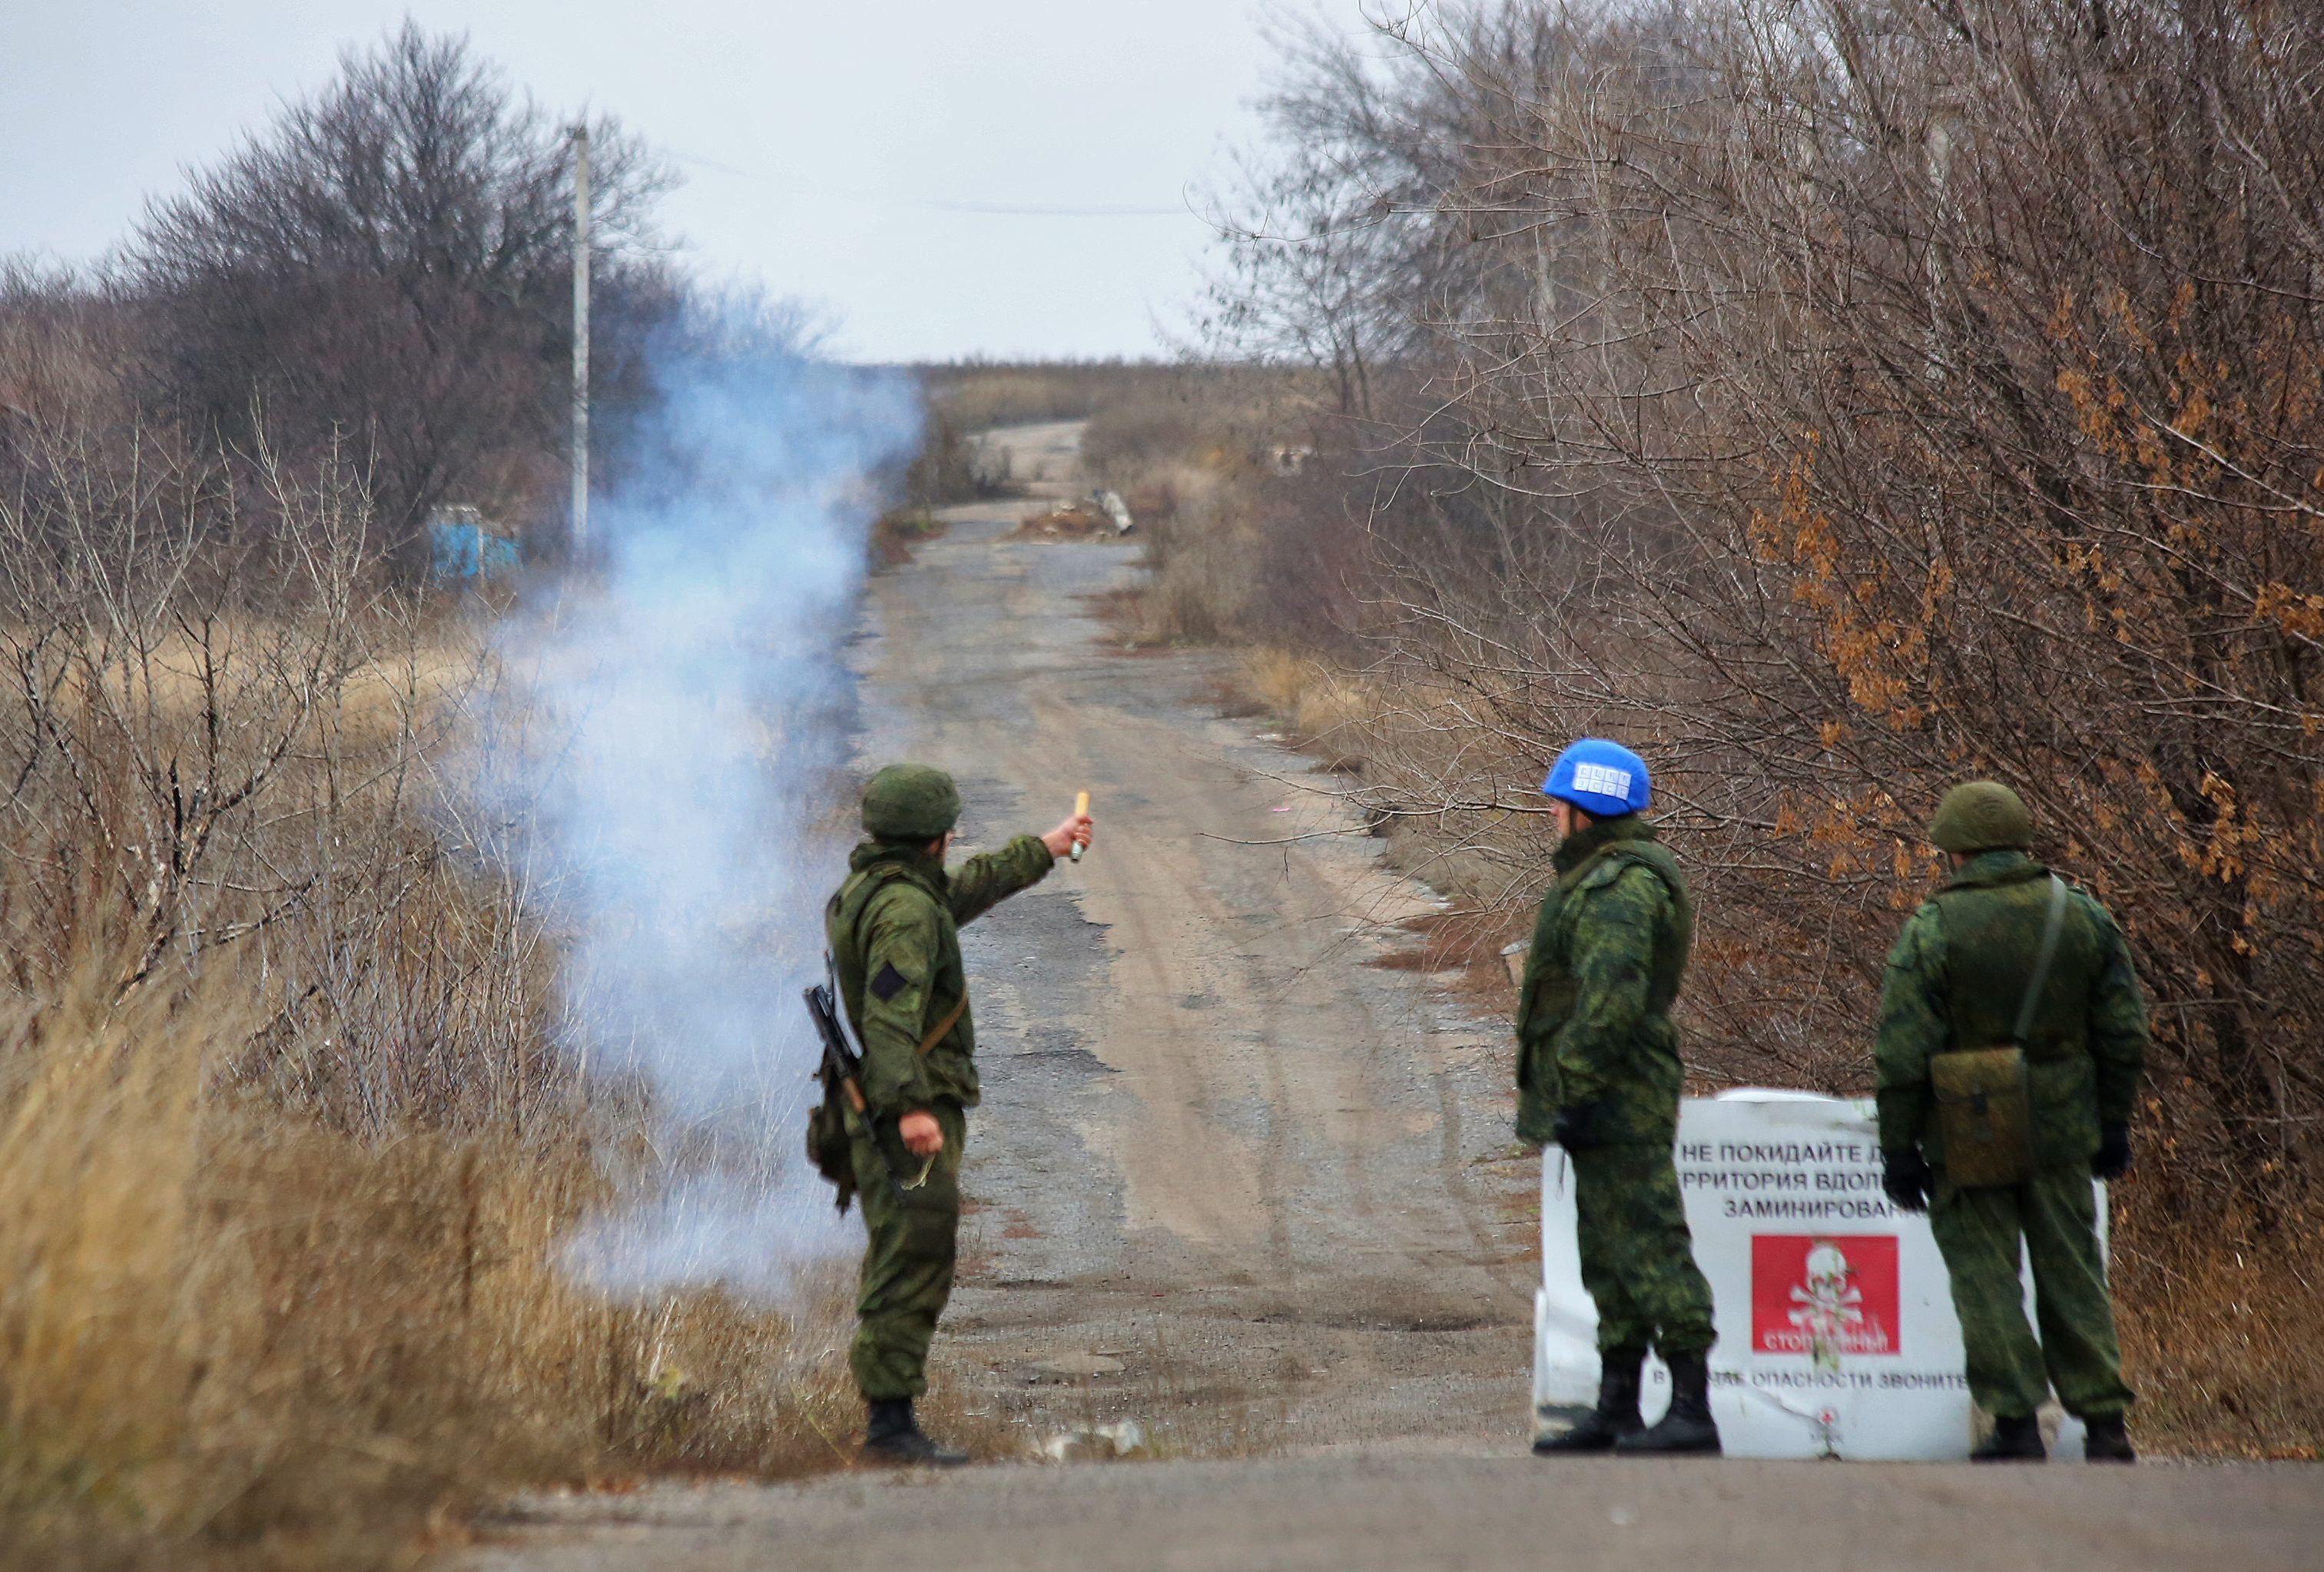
x=1956 y=980
x=1595 y=1043
x=893 y=929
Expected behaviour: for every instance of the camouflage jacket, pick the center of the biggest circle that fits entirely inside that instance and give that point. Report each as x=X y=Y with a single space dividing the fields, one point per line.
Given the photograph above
x=1957 y=979
x=1593 y=1009
x=894 y=931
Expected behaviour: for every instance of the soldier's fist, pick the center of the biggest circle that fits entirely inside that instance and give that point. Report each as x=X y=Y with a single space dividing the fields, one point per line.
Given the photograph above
x=1577 y=1125
x=923 y=1136
x=2112 y=1160
x=1073 y=832
x=1905 y=1176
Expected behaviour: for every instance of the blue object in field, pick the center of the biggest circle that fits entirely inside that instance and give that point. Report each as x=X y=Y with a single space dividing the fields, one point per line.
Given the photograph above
x=460 y=547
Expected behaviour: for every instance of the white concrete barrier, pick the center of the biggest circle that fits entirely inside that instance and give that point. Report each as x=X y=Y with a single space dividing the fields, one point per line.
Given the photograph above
x=1837 y=1336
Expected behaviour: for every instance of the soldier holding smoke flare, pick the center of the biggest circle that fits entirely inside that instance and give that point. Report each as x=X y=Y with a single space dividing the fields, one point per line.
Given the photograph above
x=894 y=931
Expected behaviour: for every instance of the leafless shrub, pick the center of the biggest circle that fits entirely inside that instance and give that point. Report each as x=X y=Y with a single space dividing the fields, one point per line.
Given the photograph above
x=226 y=740
x=294 y=1165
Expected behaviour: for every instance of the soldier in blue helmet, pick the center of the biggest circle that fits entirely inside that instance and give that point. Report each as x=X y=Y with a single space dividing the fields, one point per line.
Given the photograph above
x=1598 y=1074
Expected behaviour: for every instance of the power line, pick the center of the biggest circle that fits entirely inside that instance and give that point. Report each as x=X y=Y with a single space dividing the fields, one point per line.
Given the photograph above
x=938 y=204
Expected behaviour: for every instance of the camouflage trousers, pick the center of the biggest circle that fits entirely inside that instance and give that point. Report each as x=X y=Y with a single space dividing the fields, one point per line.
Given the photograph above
x=907 y=1263
x=1638 y=1257
x=2055 y=1214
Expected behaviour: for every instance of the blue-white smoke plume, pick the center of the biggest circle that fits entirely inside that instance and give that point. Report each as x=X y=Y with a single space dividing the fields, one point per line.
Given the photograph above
x=691 y=700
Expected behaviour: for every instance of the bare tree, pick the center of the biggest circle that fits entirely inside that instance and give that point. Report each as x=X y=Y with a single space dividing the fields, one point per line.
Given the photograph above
x=390 y=264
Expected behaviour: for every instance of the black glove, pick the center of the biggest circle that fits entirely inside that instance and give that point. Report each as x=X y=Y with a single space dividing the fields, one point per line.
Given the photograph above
x=2112 y=1160
x=1577 y=1126
x=1906 y=1178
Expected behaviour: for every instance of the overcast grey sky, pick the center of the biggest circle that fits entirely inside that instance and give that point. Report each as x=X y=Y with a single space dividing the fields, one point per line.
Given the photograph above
x=818 y=141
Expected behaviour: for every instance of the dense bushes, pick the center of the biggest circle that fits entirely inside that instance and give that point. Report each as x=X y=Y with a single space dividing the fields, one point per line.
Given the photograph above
x=1846 y=408
x=1838 y=401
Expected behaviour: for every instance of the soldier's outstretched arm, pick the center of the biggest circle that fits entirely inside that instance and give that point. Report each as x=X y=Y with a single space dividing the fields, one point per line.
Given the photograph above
x=1913 y=1028
x=899 y=964
x=2117 y=1023
x=1613 y=972
x=981 y=883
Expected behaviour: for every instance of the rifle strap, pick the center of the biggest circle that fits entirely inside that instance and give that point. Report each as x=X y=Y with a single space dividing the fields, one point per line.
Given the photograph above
x=943 y=1027
x=2055 y=920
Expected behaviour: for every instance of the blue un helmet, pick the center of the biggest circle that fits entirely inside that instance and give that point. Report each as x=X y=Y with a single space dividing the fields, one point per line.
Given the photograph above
x=1604 y=780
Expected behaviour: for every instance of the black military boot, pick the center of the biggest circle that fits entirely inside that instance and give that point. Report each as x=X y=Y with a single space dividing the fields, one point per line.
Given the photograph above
x=1617 y=1413
x=2105 y=1440
x=894 y=1436
x=2013 y=1442
x=1688 y=1426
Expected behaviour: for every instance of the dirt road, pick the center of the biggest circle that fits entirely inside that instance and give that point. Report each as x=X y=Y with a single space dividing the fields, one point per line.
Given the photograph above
x=1216 y=1149
x=1234 y=1183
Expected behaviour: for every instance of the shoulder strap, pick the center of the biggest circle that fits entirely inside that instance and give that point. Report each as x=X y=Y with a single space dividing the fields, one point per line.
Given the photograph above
x=943 y=1027
x=1606 y=859
x=852 y=899
x=2051 y=925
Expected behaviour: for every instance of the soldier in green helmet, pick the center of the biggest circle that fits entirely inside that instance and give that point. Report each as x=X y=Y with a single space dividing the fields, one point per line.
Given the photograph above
x=894 y=931
x=2013 y=1034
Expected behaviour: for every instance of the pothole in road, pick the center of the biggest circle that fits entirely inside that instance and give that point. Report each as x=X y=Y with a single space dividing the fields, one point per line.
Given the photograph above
x=1068 y=1367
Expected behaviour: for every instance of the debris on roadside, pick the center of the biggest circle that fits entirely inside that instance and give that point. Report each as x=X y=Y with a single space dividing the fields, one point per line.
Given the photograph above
x=1512 y=956
x=1099 y=1444
x=1115 y=509
x=1101 y=515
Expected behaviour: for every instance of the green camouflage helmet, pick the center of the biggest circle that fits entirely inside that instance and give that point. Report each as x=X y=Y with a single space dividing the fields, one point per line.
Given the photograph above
x=909 y=803
x=1981 y=816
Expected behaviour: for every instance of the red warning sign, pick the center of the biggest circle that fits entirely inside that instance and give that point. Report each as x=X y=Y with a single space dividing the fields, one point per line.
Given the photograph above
x=1824 y=1295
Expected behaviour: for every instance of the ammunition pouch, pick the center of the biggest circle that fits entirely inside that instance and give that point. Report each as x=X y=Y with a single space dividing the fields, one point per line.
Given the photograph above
x=829 y=1146
x=1985 y=1096
x=1985 y=1115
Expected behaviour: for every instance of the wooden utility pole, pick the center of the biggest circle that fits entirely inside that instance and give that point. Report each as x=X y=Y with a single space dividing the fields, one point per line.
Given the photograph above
x=580 y=337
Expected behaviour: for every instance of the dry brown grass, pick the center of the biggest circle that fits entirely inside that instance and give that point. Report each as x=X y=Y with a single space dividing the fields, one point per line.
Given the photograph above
x=229 y=1334
x=1196 y=552
x=2218 y=1326
x=1326 y=709
x=1220 y=419
x=980 y=394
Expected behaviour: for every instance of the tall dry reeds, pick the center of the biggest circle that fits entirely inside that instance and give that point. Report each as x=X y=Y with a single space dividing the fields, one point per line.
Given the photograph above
x=222 y=1328
x=228 y=1332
